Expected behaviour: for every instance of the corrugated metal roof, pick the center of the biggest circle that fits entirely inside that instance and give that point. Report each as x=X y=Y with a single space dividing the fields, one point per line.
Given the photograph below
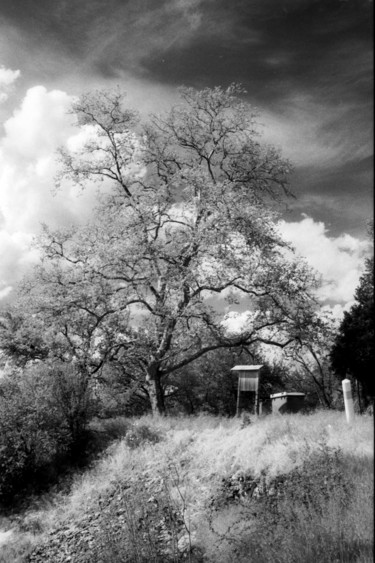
x=246 y=368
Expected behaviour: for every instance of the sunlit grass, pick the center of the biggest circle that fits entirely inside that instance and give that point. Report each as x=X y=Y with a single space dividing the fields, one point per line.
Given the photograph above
x=195 y=454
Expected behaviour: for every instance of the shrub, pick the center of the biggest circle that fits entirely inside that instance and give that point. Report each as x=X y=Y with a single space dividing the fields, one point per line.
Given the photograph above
x=44 y=410
x=31 y=432
x=69 y=391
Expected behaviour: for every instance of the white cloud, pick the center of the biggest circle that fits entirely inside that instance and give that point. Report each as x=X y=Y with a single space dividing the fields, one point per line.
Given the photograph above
x=5 y=292
x=38 y=126
x=339 y=260
x=236 y=322
x=7 y=77
x=16 y=259
x=27 y=169
x=337 y=310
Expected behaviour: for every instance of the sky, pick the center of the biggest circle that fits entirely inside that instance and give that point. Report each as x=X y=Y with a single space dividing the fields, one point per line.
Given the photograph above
x=307 y=66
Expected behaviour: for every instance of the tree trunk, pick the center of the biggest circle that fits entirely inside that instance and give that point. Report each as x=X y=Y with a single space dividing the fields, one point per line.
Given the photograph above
x=359 y=397
x=155 y=391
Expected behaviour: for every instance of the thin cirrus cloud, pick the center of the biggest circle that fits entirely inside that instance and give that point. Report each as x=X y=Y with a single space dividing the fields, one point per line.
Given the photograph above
x=97 y=40
x=271 y=47
x=304 y=133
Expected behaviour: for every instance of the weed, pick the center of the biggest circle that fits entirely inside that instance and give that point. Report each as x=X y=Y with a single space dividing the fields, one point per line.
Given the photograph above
x=140 y=435
x=150 y=525
x=246 y=420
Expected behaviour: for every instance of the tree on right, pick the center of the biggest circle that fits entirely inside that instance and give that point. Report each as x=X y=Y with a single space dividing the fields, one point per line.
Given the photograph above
x=353 y=350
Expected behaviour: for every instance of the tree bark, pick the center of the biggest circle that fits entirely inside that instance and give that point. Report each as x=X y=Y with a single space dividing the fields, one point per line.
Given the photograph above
x=155 y=391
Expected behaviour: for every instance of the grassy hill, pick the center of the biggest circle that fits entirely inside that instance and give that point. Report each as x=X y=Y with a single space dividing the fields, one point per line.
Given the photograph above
x=293 y=488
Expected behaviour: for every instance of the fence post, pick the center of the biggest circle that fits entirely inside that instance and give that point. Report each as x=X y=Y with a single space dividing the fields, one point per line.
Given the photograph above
x=348 y=400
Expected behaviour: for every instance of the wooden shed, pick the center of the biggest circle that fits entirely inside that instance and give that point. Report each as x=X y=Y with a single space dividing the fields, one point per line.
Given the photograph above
x=248 y=384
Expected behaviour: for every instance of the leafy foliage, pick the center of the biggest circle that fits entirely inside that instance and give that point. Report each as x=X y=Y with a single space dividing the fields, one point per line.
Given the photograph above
x=22 y=338
x=44 y=413
x=353 y=349
x=208 y=385
x=32 y=431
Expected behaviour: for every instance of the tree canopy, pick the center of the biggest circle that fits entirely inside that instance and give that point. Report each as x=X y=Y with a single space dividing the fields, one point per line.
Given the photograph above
x=185 y=229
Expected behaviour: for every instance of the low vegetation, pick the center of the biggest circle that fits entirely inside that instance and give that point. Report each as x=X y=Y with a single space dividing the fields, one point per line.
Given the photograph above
x=274 y=489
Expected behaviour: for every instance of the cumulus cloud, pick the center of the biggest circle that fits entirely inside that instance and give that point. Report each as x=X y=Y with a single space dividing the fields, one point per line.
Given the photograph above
x=27 y=169
x=338 y=259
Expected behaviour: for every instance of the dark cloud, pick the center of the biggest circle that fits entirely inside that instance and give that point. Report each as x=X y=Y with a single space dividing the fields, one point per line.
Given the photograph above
x=271 y=46
x=307 y=61
x=275 y=47
x=341 y=197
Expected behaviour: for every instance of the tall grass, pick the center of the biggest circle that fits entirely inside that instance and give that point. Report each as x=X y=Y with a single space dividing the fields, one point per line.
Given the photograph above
x=282 y=488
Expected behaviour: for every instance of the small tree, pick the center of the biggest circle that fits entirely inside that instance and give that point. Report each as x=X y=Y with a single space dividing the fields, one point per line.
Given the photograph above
x=188 y=214
x=308 y=359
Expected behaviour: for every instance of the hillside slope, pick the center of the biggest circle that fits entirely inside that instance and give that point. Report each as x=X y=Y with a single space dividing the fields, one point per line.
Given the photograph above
x=290 y=488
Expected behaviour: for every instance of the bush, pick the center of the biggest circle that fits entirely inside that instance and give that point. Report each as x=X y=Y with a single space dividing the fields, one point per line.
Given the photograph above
x=31 y=433
x=40 y=421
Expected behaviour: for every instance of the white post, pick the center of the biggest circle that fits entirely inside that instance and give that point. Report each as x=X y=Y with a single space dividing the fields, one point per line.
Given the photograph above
x=348 y=400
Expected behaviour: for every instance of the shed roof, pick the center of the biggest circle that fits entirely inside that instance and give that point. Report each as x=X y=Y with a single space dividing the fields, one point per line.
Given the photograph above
x=246 y=368
x=287 y=394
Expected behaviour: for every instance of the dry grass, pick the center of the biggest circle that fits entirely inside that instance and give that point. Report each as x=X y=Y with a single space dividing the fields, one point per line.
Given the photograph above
x=197 y=453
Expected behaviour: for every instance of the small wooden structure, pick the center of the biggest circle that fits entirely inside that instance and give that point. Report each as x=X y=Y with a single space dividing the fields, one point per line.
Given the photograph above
x=248 y=382
x=287 y=402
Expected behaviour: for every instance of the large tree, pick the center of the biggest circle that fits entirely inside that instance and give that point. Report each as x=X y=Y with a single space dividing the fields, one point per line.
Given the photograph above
x=186 y=218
